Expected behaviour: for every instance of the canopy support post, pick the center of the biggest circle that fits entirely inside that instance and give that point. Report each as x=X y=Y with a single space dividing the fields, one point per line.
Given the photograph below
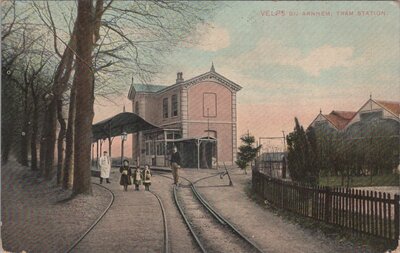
x=198 y=154
x=97 y=157
x=109 y=146
x=216 y=153
x=92 y=156
x=109 y=141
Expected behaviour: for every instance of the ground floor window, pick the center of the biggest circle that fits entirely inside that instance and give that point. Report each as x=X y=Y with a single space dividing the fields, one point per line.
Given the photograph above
x=195 y=152
x=157 y=143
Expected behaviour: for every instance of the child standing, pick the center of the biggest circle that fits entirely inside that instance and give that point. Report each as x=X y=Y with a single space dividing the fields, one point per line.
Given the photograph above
x=147 y=177
x=137 y=178
x=125 y=175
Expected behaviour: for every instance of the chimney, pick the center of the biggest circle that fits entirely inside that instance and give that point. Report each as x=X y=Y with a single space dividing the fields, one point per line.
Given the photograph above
x=179 y=77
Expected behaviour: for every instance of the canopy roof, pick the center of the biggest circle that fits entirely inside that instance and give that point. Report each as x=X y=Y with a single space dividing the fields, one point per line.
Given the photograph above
x=123 y=122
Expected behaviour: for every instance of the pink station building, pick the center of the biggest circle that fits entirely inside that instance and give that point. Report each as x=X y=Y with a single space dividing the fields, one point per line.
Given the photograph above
x=197 y=115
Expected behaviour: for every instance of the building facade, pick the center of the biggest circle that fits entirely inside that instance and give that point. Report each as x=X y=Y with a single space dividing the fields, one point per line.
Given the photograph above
x=372 y=115
x=367 y=140
x=198 y=116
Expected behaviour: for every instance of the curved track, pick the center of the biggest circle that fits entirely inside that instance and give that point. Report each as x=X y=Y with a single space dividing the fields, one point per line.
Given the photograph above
x=165 y=239
x=212 y=218
x=96 y=221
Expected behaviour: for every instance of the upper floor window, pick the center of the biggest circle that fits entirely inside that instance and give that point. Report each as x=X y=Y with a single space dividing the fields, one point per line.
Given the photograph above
x=137 y=107
x=174 y=104
x=209 y=104
x=165 y=108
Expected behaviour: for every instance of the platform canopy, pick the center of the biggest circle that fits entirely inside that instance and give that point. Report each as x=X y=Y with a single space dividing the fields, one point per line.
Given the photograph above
x=127 y=122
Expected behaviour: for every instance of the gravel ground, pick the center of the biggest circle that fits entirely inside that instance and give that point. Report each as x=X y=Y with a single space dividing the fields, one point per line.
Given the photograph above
x=272 y=233
x=35 y=218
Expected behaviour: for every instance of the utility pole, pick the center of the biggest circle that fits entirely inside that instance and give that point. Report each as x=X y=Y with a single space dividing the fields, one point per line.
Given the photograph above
x=208 y=123
x=284 y=141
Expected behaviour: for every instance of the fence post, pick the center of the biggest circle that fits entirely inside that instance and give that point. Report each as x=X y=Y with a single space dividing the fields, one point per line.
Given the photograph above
x=281 y=193
x=396 y=217
x=327 y=204
x=263 y=188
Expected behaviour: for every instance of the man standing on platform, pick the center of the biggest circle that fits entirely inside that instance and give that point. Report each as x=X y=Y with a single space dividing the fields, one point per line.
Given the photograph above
x=105 y=167
x=175 y=164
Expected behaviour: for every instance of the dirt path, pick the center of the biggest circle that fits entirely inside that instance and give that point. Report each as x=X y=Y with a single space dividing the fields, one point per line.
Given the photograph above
x=272 y=233
x=134 y=222
x=34 y=220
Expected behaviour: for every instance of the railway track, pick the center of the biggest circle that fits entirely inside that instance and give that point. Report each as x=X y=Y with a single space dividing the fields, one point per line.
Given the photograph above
x=211 y=231
x=164 y=217
x=73 y=246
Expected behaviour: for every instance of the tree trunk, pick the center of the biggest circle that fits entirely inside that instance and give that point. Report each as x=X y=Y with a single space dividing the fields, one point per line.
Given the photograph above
x=84 y=80
x=69 y=139
x=50 y=139
x=9 y=110
x=60 y=141
x=34 y=137
x=8 y=123
x=62 y=76
x=24 y=135
x=6 y=140
x=42 y=154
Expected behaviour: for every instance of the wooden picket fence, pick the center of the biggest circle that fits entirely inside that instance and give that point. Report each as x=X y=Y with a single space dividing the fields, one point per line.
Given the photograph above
x=368 y=212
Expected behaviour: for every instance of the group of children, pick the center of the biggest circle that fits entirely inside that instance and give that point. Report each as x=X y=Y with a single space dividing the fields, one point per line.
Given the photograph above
x=137 y=177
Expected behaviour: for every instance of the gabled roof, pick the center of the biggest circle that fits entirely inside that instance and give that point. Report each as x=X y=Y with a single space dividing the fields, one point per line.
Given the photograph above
x=210 y=75
x=344 y=114
x=148 y=88
x=393 y=107
x=127 y=122
x=339 y=119
x=206 y=76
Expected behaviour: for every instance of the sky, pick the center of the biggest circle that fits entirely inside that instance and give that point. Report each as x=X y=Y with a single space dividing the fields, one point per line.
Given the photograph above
x=290 y=62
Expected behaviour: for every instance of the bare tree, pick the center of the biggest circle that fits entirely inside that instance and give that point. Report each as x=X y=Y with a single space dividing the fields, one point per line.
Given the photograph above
x=69 y=139
x=12 y=50
x=28 y=74
x=127 y=37
x=38 y=87
x=84 y=81
x=62 y=76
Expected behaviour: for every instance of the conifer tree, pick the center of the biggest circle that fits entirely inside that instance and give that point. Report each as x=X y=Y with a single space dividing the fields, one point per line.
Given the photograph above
x=247 y=152
x=302 y=155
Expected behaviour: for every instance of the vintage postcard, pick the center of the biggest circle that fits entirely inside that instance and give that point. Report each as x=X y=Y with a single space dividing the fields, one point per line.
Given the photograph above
x=200 y=126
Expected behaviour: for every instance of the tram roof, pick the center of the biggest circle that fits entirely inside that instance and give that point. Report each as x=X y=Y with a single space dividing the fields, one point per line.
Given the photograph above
x=210 y=138
x=123 y=122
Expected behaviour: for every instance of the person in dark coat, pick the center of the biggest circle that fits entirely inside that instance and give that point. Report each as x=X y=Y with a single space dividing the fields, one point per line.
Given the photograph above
x=175 y=164
x=126 y=174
